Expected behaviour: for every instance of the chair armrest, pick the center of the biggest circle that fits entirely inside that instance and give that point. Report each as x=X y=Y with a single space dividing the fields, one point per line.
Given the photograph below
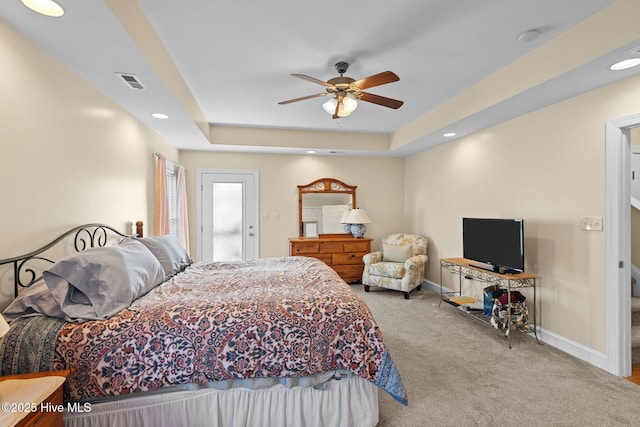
x=414 y=261
x=372 y=258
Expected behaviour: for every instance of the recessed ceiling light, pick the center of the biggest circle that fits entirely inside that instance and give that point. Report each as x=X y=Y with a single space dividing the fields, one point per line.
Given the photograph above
x=159 y=116
x=528 y=36
x=311 y=152
x=625 y=63
x=44 y=7
x=449 y=134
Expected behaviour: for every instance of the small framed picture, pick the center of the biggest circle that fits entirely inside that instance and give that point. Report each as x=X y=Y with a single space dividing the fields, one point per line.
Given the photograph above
x=311 y=229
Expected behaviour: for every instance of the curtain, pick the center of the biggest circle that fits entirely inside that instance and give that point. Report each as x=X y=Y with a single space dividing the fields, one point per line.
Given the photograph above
x=182 y=219
x=161 y=223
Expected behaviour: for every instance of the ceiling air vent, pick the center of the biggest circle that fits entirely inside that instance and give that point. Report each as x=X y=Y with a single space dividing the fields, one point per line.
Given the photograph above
x=131 y=80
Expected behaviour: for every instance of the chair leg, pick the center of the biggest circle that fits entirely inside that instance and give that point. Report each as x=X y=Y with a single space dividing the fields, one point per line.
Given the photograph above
x=419 y=287
x=406 y=295
x=366 y=288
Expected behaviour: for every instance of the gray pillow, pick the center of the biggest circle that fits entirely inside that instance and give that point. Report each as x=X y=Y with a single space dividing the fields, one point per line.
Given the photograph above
x=33 y=301
x=99 y=282
x=169 y=251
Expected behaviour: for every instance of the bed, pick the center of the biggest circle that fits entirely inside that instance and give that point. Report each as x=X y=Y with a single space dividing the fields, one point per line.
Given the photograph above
x=270 y=342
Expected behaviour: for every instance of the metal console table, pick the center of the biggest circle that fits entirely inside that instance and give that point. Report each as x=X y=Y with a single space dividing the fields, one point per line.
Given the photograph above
x=464 y=268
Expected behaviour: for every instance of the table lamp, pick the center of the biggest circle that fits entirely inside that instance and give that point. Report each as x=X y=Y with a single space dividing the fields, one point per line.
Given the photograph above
x=358 y=218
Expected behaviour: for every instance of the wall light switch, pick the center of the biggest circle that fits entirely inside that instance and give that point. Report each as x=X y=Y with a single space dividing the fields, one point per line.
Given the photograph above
x=591 y=223
x=276 y=216
x=264 y=217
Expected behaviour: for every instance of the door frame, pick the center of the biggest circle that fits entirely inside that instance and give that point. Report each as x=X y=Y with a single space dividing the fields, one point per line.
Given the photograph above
x=254 y=173
x=618 y=243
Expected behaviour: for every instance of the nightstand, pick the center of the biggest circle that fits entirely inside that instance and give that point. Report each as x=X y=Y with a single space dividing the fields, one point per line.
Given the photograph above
x=32 y=399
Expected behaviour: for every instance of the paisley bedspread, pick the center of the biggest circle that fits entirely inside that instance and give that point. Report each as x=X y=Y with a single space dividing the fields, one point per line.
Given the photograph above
x=274 y=317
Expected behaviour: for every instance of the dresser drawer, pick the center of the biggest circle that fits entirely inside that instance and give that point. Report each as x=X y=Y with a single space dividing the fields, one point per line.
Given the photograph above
x=326 y=258
x=331 y=247
x=339 y=259
x=305 y=248
x=357 y=246
x=353 y=272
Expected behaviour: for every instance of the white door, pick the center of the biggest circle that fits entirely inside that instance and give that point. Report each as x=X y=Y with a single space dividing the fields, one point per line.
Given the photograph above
x=228 y=215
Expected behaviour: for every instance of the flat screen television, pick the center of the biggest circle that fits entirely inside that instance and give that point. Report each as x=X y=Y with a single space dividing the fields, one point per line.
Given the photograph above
x=496 y=243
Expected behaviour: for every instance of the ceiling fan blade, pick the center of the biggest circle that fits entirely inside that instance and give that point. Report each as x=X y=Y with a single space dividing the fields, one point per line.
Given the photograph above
x=312 y=80
x=380 y=100
x=377 y=80
x=289 y=101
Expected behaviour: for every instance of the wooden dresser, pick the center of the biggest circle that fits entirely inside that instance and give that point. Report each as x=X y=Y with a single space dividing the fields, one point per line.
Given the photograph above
x=343 y=254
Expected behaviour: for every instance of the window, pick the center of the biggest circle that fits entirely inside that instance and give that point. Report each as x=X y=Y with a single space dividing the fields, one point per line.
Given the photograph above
x=172 y=199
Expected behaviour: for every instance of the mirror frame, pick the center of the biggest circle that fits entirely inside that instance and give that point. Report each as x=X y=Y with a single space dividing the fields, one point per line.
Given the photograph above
x=324 y=186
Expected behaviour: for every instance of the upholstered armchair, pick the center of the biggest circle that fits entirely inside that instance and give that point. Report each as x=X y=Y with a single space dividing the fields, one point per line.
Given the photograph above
x=400 y=265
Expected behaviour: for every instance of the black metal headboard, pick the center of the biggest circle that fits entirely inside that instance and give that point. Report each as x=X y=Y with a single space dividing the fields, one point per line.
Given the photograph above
x=27 y=268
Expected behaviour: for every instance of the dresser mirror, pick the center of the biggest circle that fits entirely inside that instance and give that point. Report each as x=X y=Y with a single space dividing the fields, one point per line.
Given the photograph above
x=323 y=202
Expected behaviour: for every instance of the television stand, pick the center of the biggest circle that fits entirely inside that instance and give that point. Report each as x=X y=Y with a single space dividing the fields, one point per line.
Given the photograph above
x=467 y=268
x=493 y=268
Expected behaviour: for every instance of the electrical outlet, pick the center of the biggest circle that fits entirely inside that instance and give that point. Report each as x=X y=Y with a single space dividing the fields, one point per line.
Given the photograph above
x=591 y=223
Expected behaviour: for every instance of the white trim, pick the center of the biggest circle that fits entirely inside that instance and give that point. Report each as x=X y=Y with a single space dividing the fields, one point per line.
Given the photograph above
x=573 y=348
x=618 y=245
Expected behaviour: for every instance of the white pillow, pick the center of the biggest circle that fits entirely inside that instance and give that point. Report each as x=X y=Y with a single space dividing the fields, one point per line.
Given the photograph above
x=394 y=253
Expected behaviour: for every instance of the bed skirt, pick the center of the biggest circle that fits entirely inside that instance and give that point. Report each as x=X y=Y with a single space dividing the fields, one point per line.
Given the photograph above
x=347 y=402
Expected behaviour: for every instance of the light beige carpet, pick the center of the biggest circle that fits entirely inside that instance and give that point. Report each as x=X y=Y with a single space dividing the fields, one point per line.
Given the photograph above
x=461 y=372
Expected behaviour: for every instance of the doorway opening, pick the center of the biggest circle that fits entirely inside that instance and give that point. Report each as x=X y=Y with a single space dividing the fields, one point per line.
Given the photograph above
x=618 y=262
x=227 y=215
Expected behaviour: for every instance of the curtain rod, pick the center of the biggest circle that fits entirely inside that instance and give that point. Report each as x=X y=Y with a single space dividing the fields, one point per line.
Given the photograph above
x=158 y=154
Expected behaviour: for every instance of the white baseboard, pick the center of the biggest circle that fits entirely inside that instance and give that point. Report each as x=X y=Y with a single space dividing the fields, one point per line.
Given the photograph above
x=573 y=348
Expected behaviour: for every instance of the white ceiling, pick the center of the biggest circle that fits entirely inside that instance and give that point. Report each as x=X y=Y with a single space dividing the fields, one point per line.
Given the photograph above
x=229 y=63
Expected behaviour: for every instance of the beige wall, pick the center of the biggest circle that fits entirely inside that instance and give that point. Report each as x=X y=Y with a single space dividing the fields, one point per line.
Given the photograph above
x=380 y=184
x=69 y=155
x=547 y=167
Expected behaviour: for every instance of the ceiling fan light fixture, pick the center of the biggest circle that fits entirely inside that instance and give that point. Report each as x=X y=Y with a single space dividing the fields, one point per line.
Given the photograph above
x=330 y=105
x=348 y=104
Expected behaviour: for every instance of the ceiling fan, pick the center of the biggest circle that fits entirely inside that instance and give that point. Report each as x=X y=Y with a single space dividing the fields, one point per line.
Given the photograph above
x=345 y=91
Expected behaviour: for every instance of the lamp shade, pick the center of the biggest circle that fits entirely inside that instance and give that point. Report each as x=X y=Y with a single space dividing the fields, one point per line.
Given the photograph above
x=345 y=216
x=4 y=326
x=348 y=104
x=330 y=105
x=358 y=216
